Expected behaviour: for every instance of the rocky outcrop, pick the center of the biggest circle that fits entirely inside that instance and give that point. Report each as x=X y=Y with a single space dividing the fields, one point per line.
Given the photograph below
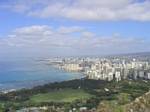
x=141 y=104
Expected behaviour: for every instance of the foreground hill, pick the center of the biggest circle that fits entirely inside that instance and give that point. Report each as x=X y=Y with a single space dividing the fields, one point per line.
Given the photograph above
x=140 y=104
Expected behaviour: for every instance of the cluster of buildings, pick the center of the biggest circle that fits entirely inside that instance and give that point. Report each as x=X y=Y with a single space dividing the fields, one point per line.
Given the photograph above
x=107 y=68
x=55 y=109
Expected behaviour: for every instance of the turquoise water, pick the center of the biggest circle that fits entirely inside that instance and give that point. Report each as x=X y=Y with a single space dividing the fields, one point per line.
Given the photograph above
x=26 y=73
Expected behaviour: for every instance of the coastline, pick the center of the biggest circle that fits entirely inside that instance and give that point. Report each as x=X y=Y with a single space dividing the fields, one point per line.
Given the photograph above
x=5 y=91
x=63 y=75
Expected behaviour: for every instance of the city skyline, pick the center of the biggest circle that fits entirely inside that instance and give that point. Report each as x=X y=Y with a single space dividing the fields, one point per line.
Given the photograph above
x=68 y=27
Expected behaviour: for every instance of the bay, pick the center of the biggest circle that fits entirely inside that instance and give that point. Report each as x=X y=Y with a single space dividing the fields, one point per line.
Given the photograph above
x=27 y=73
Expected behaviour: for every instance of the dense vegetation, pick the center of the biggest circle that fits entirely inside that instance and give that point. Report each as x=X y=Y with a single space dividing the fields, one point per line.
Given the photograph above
x=76 y=93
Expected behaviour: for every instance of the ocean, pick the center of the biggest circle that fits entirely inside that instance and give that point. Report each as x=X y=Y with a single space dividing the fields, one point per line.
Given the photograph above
x=27 y=73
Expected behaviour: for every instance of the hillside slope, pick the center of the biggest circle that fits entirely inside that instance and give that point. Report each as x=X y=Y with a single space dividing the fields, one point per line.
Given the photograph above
x=140 y=104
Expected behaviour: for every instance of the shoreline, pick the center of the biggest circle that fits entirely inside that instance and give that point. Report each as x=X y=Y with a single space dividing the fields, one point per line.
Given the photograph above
x=29 y=84
x=18 y=89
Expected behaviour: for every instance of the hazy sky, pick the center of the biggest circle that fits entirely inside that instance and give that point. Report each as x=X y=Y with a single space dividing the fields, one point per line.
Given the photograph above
x=73 y=27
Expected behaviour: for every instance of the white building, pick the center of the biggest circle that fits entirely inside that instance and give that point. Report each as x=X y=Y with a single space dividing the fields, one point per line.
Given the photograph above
x=110 y=76
x=148 y=76
x=72 y=67
x=118 y=76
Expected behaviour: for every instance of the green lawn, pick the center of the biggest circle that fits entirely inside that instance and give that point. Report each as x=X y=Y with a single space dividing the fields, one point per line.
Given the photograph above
x=65 y=95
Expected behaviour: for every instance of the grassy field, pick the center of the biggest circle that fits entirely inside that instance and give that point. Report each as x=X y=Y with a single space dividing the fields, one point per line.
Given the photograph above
x=65 y=95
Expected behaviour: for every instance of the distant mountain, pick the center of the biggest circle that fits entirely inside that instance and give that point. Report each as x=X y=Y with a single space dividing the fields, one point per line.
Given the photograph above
x=130 y=55
x=137 y=54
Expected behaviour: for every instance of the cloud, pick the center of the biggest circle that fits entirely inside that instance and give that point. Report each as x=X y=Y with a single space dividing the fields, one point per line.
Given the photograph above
x=65 y=30
x=63 y=40
x=86 y=10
